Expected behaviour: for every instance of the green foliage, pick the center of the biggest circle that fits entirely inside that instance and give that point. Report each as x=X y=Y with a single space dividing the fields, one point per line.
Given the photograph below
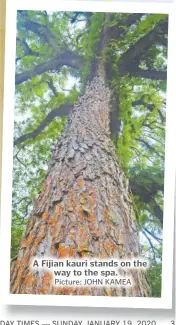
x=89 y=42
x=155 y=278
x=16 y=234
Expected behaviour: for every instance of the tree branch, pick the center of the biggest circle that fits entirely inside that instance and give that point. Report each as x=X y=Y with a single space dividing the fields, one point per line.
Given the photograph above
x=141 y=102
x=155 y=126
x=142 y=44
x=19 y=159
x=67 y=58
x=52 y=87
x=61 y=111
x=159 y=240
x=163 y=41
x=150 y=243
x=148 y=74
x=157 y=211
x=108 y=34
x=116 y=31
x=28 y=51
x=22 y=199
x=24 y=217
x=39 y=29
x=150 y=107
x=146 y=193
x=148 y=135
x=148 y=146
x=141 y=154
x=43 y=31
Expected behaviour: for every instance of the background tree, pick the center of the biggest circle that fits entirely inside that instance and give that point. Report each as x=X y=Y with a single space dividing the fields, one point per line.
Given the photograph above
x=56 y=57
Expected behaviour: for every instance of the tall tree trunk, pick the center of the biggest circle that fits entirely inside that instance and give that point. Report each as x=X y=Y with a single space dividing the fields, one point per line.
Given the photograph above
x=84 y=208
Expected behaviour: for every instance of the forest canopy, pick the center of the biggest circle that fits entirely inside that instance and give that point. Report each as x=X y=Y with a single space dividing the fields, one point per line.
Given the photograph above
x=56 y=56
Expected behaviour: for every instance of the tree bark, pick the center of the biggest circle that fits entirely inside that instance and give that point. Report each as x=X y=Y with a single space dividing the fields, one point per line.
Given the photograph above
x=84 y=208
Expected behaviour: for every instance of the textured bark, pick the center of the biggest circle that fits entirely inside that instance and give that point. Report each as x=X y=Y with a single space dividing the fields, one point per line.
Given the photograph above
x=84 y=208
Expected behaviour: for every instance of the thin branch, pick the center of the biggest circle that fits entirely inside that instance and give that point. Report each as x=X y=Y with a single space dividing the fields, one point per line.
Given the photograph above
x=150 y=243
x=136 y=152
x=24 y=217
x=67 y=15
x=156 y=122
x=17 y=153
x=161 y=116
x=19 y=159
x=64 y=89
x=148 y=135
x=27 y=49
x=148 y=125
x=63 y=110
x=140 y=153
x=159 y=240
x=24 y=198
x=52 y=87
x=149 y=147
x=153 y=128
